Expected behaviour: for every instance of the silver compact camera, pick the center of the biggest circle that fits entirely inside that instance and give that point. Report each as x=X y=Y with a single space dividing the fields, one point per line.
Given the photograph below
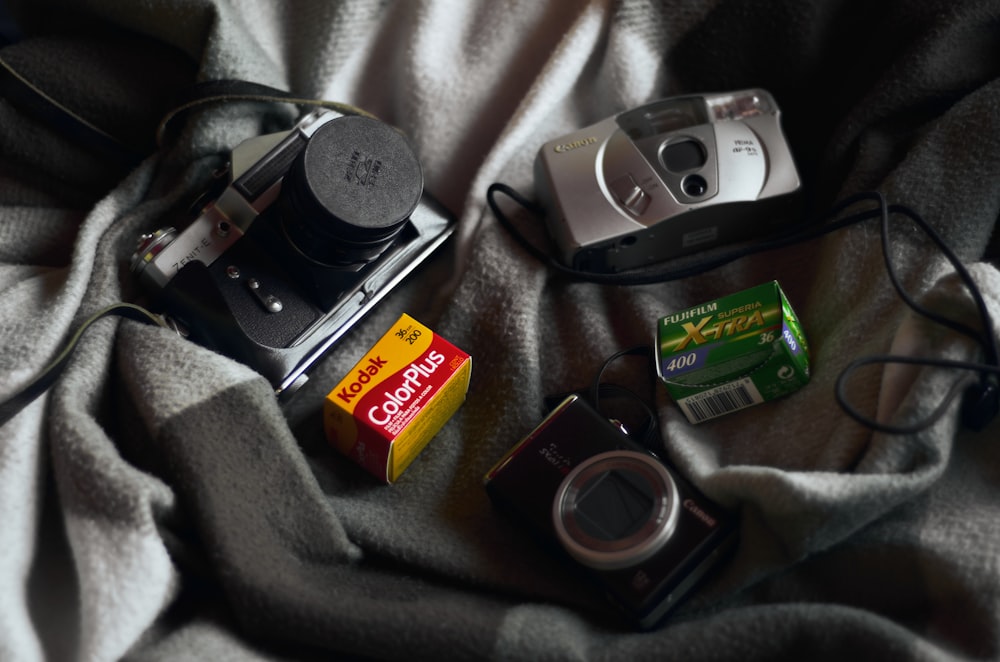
x=304 y=232
x=668 y=178
x=628 y=520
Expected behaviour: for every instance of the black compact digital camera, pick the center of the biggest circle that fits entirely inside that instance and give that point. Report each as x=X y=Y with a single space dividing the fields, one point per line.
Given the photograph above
x=630 y=521
x=306 y=232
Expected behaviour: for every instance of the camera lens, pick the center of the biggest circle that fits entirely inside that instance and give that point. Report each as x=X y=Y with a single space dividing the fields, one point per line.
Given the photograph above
x=350 y=191
x=695 y=186
x=615 y=509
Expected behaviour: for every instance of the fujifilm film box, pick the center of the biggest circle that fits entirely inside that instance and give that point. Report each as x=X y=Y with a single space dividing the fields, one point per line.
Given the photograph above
x=383 y=413
x=732 y=353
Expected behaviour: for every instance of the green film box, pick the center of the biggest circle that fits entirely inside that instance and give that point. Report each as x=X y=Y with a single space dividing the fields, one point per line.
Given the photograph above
x=732 y=353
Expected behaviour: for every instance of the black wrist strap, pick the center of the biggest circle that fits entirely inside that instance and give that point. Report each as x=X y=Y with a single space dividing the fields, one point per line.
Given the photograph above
x=34 y=102
x=981 y=402
x=37 y=103
x=217 y=91
x=48 y=376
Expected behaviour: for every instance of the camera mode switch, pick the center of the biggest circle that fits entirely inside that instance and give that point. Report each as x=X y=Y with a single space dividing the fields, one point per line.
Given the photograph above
x=629 y=194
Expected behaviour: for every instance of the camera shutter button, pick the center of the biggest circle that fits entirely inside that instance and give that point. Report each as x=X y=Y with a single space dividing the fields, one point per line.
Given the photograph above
x=629 y=194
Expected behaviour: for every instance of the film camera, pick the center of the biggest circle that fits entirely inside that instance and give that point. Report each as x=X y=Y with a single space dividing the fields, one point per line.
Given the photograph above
x=629 y=521
x=665 y=179
x=305 y=232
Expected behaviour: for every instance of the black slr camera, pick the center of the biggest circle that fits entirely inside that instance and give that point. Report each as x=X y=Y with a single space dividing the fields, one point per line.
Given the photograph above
x=632 y=523
x=312 y=228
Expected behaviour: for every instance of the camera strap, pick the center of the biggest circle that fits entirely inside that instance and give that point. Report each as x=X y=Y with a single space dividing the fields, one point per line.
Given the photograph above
x=981 y=401
x=13 y=405
x=35 y=102
x=644 y=429
x=229 y=90
x=660 y=273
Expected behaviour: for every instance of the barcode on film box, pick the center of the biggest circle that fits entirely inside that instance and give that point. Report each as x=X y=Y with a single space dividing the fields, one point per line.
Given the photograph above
x=722 y=400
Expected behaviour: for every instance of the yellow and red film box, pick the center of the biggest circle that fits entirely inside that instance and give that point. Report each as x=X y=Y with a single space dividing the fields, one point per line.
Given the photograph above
x=390 y=405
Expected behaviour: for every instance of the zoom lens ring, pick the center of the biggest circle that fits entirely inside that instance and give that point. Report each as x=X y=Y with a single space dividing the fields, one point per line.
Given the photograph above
x=642 y=541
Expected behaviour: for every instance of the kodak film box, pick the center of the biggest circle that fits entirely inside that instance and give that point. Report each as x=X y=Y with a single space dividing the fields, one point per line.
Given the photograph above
x=731 y=353
x=383 y=413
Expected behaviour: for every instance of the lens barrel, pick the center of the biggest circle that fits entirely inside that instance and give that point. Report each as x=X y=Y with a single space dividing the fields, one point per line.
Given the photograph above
x=616 y=509
x=350 y=191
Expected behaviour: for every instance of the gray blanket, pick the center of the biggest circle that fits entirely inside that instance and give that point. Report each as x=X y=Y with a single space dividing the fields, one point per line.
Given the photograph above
x=159 y=503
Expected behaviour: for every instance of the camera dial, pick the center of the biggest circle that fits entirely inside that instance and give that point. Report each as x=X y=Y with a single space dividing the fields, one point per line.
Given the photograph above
x=350 y=192
x=616 y=509
x=149 y=246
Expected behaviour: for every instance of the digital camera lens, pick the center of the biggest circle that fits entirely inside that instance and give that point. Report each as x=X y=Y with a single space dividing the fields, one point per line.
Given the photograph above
x=615 y=509
x=350 y=191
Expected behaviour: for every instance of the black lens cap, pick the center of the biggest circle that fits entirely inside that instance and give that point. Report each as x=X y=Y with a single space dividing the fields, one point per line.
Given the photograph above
x=354 y=185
